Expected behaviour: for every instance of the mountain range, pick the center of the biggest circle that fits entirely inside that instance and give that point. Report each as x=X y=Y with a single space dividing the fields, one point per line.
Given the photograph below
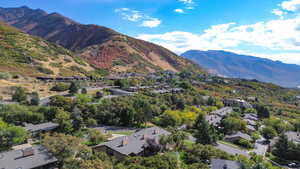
x=101 y=47
x=233 y=65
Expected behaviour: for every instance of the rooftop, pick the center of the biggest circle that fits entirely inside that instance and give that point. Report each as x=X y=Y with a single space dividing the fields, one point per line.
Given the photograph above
x=136 y=142
x=293 y=136
x=17 y=159
x=224 y=164
x=239 y=134
x=40 y=127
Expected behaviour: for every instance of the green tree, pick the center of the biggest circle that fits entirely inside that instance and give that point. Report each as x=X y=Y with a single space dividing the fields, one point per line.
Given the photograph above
x=269 y=132
x=66 y=147
x=232 y=124
x=11 y=135
x=74 y=87
x=96 y=137
x=19 y=95
x=281 y=147
x=205 y=133
x=84 y=91
x=63 y=119
x=35 y=99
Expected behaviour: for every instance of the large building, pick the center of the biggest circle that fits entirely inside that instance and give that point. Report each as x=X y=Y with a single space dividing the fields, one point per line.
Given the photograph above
x=35 y=157
x=133 y=145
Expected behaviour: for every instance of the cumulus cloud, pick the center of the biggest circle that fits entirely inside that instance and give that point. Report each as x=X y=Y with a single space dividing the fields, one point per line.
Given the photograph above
x=189 y=4
x=152 y=23
x=138 y=16
x=179 y=10
x=280 y=36
x=291 y=5
x=128 y=14
x=279 y=13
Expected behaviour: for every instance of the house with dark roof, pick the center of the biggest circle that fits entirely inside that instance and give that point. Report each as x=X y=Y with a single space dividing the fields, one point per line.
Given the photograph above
x=29 y=158
x=36 y=129
x=216 y=117
x=237 y=136
x=120 y=92
x=225 y=164
x=132 y=145
x=223 y=111
x=237 y=103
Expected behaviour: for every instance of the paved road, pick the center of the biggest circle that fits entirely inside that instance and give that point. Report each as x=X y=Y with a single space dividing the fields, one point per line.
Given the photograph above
x=260 y=148
x=231 y=150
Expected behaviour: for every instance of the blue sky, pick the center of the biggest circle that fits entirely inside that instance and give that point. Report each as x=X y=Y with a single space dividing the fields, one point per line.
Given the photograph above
x=264 y=28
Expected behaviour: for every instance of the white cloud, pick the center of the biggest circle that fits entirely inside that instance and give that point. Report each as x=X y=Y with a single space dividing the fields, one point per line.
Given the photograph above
x=189 y=4
x=152 y=23
x=291 y=5
x=179 y=10
x=137 y=16
x=275 y=35
x=278 y=12
x=128 y=14
x=187 y=1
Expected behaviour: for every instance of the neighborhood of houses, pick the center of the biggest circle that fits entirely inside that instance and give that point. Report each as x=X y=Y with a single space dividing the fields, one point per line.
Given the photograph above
x=140 y=142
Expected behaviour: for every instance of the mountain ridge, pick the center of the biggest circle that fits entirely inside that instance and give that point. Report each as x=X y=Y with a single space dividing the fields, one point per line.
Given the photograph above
x=102 y=47
x=234 y=65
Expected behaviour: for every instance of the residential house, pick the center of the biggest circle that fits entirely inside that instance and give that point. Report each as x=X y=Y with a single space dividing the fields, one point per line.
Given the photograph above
x=293 y=136
x=214 y=120
x=216 y=117
x=223 y=111
x=224 y=164
x=132 y=145
x=237 y=103
x=34 y=157
x=237 y=136
x=36 y=129
x=251 y=120
x=120 y=92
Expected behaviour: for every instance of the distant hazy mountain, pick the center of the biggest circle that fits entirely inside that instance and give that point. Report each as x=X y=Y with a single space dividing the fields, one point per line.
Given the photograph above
x=248 y=67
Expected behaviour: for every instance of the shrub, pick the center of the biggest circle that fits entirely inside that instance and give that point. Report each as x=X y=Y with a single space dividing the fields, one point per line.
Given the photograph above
x=245 y=143
x=5 y=75
x=45 y=70
x=60 y=87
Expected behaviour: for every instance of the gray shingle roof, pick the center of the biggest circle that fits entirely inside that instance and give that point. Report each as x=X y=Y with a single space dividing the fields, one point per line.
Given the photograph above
x=224 y=164
x=15 y=160
x=239 y=134
x=41 y=127
x=223 y=111
x=135 y=142
x=214 y=120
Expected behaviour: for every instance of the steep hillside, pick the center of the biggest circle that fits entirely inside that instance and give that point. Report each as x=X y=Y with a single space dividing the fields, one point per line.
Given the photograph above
x=100 y=46
x=248 y=67
x=23 y=54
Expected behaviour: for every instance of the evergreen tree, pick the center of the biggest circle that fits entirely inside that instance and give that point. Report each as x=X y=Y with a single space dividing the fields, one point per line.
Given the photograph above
x=281 y=147
x=73 y=88
x=84 y=91
x=205 y=133
x=35 y=99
